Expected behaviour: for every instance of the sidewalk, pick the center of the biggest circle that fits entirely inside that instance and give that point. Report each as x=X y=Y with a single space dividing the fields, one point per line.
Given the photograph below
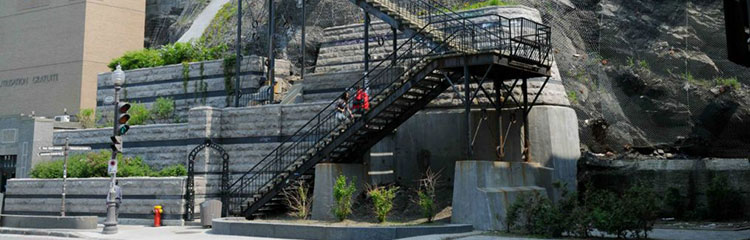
x=197 y=232
x=138 y=232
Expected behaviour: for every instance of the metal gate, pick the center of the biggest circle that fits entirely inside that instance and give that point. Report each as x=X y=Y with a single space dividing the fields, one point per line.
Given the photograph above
x=7 y=170
x=190 y=186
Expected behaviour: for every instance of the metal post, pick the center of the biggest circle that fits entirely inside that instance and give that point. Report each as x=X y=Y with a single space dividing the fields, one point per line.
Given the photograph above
x=525 y=108
x=238 y=45
x=65 y=175
x=467 y=105
x=304 y=20
x=395 y=46
x=271 y=56
x=367 y=50
x=110 y=224
x=500 y=125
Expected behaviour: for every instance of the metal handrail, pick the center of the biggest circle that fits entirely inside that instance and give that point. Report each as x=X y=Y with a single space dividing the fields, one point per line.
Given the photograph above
x=409 y=54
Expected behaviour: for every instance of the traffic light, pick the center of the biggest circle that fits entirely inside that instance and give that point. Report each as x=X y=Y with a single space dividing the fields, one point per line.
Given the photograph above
x=116 y=144
x=122 y=118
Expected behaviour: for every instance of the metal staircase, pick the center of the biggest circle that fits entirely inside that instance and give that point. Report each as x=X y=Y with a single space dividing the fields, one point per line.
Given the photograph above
x=441 y=45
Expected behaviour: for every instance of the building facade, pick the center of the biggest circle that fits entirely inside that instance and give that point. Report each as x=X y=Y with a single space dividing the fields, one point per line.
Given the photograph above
x=51 y=51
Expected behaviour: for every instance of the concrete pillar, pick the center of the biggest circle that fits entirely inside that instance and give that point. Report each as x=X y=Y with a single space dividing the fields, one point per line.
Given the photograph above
x=205 y=122
x=555 y=143
x=325 y=178
x=484 y=190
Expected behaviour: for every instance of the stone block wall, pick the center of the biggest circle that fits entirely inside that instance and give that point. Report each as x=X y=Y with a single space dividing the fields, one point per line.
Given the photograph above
x=87 y=197
x=247 y=134
x=690 y=177
x=191 y=85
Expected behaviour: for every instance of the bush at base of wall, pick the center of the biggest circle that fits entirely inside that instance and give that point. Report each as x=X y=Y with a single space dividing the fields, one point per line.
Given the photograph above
x=94 y=164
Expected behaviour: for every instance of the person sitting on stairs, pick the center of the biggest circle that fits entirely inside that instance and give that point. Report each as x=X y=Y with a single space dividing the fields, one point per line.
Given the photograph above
x=361 y=102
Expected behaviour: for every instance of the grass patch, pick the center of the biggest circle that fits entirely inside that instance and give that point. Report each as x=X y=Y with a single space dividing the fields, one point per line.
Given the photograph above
x=573 y=96
x=488 y=3
x=728 y=82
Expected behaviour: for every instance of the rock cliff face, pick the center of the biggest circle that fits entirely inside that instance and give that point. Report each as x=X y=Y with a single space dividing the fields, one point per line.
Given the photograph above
x=640 y=73
x=651 y=73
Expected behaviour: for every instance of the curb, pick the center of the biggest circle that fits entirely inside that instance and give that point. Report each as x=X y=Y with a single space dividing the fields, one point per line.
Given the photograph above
x=37 y=232
x=231 y=226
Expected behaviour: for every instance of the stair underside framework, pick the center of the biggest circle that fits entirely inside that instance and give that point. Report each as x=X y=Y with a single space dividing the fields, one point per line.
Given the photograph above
x=443 y=50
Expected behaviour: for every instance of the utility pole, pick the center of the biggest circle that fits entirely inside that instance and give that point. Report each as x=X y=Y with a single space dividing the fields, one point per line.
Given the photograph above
x=65 y=148
x=238 y=45
x=271 y=57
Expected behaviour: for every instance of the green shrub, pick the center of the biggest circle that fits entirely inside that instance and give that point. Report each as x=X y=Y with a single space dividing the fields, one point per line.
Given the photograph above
x=139 y=114
x=87 y=117
x=342 y=196
x=382 y=199
x=721 y=196
x=170 y=171
x=643 y=64
x=163 y=108
x=728 y=82
x=94 y=164
x=536 y=214
x=573 y=96
x=143 y=58
x=169 y=54
x=179 y=53
x=630 y=214
x=631 y=62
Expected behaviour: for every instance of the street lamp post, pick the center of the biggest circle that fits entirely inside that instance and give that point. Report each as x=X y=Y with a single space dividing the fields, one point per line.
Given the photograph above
x=110 y=224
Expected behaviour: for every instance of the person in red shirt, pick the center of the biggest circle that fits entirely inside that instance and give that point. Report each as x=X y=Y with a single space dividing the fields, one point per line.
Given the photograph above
x=361 y=102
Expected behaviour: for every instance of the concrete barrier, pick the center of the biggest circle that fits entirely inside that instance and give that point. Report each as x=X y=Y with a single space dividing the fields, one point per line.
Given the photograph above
x=87 y=197
x=241 y=227
x=67 y=222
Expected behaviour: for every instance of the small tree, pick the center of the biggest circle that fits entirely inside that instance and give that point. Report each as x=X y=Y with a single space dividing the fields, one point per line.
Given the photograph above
x=382 y=199
x=299 y=199
x=426 y=194
x=342 y=196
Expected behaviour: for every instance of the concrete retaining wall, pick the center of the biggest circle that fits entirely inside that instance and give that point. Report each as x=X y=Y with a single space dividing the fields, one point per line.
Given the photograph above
x=247 y=134
x=691 y=177
x=87 y=197
x=21 y=221
x=204 y=85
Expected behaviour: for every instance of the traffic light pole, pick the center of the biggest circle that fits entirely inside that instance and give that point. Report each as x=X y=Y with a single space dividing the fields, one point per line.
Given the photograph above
x=110 y=224
x=65 y=175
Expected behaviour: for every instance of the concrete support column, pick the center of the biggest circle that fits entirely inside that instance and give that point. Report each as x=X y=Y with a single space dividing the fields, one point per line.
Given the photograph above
x=325 y=178
x=554 y=135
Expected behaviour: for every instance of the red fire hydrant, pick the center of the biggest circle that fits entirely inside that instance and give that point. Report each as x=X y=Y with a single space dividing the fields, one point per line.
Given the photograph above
x=157 y=216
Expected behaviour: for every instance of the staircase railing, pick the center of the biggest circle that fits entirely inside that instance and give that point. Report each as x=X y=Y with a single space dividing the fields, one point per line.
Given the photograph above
x=307 y=138
x=411 y=55
x=528 y=40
